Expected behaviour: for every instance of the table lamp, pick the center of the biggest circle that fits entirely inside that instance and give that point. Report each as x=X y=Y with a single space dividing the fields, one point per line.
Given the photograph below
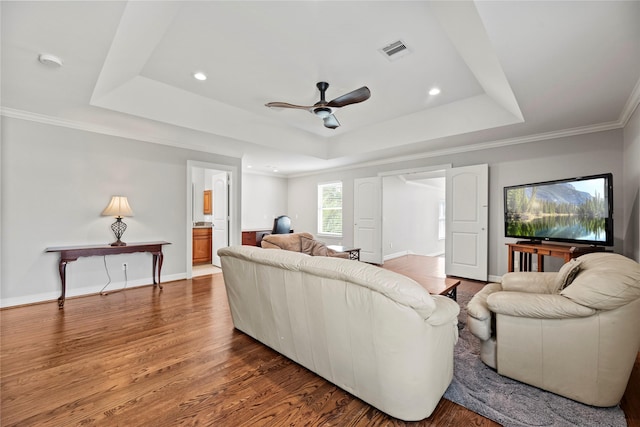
x=118 y=207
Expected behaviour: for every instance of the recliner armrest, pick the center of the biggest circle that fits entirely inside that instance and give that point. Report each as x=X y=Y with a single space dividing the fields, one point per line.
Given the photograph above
x=531 y=282
x=477 y=307
x=446 y=311
x=537 y=306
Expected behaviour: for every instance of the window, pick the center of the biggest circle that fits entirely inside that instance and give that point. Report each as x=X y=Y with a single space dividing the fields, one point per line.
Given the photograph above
x=330 y=208
x=441 y=219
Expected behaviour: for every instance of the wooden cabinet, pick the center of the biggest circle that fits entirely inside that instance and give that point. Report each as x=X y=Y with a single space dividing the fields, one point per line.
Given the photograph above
x=249 y=238
x=207 y=205
x=201 y=245
x=253 y=237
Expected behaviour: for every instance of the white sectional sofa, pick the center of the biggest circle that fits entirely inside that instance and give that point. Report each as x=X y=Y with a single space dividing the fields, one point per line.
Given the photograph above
x=374 y=333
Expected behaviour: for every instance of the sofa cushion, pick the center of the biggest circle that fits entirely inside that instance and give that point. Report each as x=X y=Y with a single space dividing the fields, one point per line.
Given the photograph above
x=605 y=281
x=288 y=242
x=567 y=273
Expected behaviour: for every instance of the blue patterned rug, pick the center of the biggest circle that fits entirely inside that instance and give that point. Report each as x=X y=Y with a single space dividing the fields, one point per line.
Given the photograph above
x=512 y=403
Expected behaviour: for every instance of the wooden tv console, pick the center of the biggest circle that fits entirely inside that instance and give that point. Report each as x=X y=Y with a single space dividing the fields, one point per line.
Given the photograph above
x=527 y=249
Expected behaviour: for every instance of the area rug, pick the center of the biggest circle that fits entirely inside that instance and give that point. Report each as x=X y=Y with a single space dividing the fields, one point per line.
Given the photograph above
x=512 y=403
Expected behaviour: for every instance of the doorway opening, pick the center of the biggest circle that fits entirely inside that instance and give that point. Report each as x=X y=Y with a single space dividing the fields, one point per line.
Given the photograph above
x=413 y=214
x=465 y=212
x=210 y=216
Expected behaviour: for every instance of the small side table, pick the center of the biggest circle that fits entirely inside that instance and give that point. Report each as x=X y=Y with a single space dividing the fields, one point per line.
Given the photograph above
x=354 y=253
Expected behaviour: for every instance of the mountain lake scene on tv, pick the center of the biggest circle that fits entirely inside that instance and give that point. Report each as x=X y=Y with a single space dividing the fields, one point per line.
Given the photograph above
x=558 y=210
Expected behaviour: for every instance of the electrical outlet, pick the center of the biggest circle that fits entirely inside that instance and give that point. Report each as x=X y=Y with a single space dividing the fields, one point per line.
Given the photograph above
x=125 y=266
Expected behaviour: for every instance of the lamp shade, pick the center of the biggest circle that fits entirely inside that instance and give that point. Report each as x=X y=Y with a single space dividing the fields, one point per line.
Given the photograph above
x=118 y=207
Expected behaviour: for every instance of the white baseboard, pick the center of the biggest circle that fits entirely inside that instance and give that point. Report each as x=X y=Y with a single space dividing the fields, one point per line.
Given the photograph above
x=84 y=291
x=403 y=253
x=495 y=279
x=435 y=254
x=395 y=255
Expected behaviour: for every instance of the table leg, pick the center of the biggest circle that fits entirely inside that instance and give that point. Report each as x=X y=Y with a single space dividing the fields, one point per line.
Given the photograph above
x=453 y=294
x=540 y=262
x=157 y=263
x=510 y=262
x=62 y=267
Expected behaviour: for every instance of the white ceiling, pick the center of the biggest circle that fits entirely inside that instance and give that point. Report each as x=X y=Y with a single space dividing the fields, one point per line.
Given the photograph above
x=509 y=71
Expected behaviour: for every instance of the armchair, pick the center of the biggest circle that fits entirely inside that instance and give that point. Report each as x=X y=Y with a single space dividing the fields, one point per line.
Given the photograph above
x=577 y=339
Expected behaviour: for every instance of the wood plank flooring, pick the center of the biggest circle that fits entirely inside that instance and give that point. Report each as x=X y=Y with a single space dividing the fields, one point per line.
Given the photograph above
x=145 y=357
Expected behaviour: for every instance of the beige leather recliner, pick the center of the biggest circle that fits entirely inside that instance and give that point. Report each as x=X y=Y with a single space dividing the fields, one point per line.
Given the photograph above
x=580 y=341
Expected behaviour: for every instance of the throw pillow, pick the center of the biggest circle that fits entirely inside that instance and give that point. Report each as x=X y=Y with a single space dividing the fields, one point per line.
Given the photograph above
x=567 y=273
x=313 y=247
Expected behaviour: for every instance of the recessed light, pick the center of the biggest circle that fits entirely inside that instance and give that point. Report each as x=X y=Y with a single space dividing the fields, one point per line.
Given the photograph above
x=275 y=170
x=200 y=76
x=434 y=91
x=249 y=166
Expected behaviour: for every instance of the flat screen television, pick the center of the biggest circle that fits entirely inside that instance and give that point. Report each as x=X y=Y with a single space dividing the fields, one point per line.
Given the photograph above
x=574 y=210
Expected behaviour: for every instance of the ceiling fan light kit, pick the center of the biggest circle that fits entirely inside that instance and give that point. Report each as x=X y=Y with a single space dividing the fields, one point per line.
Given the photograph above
x=324 y=109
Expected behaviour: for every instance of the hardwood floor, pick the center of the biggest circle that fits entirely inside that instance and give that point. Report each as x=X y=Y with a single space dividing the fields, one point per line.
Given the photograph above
x=145 y=357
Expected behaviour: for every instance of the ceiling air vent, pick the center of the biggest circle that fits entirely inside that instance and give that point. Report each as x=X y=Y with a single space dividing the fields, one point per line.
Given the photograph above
x=395 y=50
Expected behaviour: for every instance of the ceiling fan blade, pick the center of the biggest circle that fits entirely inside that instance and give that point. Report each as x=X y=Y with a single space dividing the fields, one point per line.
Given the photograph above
x=331 y=122
x=287 y=105
x=353 y=97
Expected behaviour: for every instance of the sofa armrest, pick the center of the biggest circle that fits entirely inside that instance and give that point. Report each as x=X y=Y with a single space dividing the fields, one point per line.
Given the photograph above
x=537 y=306
x=531 y=282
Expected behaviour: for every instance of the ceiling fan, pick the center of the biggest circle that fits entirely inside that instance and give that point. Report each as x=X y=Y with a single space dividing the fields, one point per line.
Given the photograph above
x=324 y=109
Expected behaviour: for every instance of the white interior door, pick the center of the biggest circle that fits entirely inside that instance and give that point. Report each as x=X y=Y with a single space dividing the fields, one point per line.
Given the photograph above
x=466 y=245
x=220 y=215
x=367 y=215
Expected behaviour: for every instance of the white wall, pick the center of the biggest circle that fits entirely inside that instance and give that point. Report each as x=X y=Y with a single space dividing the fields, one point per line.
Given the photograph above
x=263 y=198
x=410 y=216
x=632 y=188
x=518 y=164
x=55 y=183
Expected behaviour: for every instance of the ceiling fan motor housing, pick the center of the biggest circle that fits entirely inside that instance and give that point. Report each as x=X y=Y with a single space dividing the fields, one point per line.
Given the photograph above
x=322 y=111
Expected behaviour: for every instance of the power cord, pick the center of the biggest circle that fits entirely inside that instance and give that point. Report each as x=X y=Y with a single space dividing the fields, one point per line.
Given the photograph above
x=102 y=292
x=126 y=279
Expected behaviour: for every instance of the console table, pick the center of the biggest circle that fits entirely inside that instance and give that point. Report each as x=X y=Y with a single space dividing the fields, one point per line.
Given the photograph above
x=72 y=253
x=527 y=249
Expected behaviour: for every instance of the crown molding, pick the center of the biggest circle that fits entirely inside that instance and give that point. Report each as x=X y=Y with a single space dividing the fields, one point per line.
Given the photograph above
x=630 y=106
x=602 y=127
x=104 y=130
x=247 y=171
